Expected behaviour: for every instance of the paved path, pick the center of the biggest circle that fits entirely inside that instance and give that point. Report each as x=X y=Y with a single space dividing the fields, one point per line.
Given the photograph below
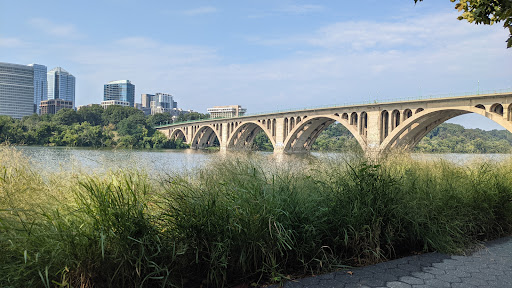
x=488 y=267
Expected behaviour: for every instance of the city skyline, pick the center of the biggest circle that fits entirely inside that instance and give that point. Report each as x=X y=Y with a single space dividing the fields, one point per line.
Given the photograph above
x=292 y=53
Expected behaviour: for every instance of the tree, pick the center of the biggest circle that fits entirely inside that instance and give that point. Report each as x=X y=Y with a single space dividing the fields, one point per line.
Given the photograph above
x=192 y=116
x=486 y=12
x=92 y=114
x=159 y=118
x=66 y=116
x=262 y=143
x=115 y=113
x=135 y=125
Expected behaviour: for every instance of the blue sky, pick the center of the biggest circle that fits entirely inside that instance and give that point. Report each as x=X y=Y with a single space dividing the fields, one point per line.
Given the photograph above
x=264 y=55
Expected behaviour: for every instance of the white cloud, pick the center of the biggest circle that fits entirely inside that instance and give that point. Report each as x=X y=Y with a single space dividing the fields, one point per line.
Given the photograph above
x=11 y=43
x=201 y=11
x=424 y=32
x=301 y=9
x=55 y=29
x=294 y=9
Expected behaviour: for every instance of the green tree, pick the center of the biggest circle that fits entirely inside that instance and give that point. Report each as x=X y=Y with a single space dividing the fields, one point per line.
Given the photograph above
x=31 y=121
x=135 y=124
x=127 y=141
x=335 y=138
x=192 y=116
x=486 y=12
x=44 y=131
x=113 y=114
x=6 y=129
x=262 y=143
x=66 y=116
x=159 y=118
x=92 y=114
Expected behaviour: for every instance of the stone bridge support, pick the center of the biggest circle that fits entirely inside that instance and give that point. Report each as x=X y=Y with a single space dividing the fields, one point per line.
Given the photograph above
x=373 y=138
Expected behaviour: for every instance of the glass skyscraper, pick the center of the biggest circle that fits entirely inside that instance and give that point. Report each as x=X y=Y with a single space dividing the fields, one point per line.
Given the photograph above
x=40 y=85
x=61 y=85
x=16 y=90
x=122 y=90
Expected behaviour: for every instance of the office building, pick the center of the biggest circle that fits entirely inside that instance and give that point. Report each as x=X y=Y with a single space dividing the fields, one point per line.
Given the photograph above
x=61 y=85
x=53 y=106
x=16 y=90
x=226 y=111
x=40 y=85
x=159 y=103
x=120 y=90
x=105 y=104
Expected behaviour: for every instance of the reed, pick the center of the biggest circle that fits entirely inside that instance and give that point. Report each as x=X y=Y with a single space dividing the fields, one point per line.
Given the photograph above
x=238 y=221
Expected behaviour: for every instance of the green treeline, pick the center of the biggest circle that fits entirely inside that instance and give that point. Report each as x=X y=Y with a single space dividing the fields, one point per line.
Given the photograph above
x=335 y=138
x=453 y=138
x=445 y=138
x=93 y=126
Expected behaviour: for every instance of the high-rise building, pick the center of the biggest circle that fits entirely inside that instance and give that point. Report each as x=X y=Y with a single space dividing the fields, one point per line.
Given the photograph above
x=61 y=85
x=159 y=103
x=40 y=85
x=121 y=90
x=16 y=90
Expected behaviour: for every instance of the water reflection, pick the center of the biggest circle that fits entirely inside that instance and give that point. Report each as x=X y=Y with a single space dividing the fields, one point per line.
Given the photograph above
x=172 y=161
x=99 y=160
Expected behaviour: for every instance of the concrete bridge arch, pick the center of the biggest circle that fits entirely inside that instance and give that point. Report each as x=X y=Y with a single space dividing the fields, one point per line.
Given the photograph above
x=204 y=136
x=410 y=132
x=301 y=137
x=242 y=136
x=178 y=133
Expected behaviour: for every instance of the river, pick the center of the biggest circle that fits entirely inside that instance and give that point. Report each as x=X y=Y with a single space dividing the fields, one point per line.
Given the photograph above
x=170 y=161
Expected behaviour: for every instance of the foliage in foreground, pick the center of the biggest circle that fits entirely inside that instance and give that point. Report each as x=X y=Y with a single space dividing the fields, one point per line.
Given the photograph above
x=239 y=221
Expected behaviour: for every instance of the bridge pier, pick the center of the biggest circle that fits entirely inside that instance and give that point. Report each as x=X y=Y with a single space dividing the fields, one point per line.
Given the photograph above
x=373 y=139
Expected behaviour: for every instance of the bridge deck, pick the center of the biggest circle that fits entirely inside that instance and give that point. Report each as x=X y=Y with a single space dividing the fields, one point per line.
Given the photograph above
x=391 y=102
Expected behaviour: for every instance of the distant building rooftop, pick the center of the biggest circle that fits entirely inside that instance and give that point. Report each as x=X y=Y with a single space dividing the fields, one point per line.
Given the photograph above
x=120 y=82
x=59 y=69
x=226 y=111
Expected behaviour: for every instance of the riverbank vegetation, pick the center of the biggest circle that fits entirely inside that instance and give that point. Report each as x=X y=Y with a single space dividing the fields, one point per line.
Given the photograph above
x=93 y=126
x=250 y=221
x=445 y=138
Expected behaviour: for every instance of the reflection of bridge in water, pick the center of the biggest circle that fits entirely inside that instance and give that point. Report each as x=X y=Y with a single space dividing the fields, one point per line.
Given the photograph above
x=377 y=127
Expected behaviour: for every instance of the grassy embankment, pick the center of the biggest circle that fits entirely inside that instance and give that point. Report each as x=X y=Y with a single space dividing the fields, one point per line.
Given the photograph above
x=238 y=221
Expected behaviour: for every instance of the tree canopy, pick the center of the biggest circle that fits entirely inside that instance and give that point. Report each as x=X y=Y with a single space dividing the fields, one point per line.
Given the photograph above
x=486 y=12
x=192 y=116
x=116 y=126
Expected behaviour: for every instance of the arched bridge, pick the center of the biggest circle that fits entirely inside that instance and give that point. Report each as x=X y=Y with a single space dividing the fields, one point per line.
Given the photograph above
x=377 y=127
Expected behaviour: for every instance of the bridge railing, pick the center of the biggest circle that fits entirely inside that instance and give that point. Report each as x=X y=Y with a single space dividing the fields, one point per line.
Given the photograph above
x=348 y=104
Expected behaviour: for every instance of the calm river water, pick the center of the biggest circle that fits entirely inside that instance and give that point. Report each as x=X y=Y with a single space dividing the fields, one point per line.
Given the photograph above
x=169 y=161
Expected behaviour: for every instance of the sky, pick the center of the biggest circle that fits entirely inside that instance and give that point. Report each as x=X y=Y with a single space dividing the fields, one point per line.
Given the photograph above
x=264 y=55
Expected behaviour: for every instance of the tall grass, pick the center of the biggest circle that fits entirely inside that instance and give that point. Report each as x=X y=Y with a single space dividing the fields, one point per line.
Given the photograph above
x=239 y=221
